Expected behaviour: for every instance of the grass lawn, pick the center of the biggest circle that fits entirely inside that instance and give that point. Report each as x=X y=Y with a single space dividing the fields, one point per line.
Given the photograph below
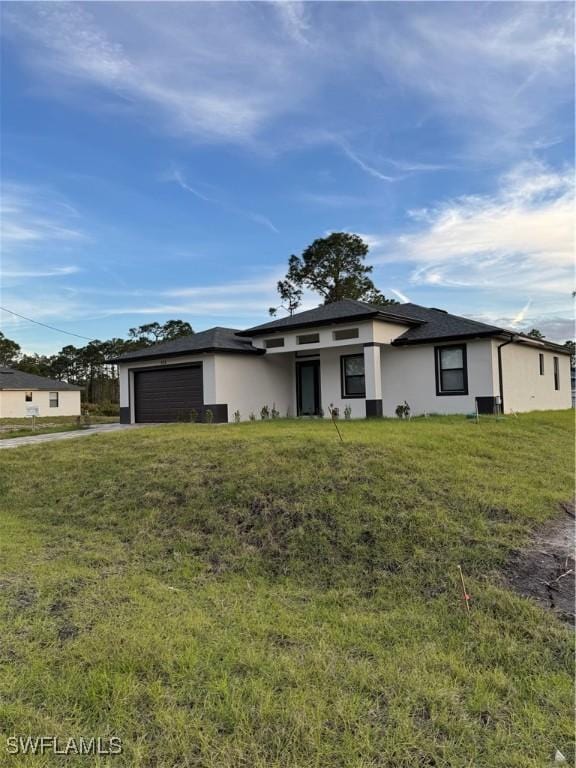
x=46 y=424
x=260 y=595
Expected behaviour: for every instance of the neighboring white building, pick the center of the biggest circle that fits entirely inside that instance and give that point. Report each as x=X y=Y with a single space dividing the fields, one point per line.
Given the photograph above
x=19 y=391
x=348 y=355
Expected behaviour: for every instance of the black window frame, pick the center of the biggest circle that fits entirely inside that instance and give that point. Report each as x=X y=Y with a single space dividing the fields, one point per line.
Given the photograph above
x=274 y=342
x=437 y=359
x=541 y=363
x=344 y=378
x=343 y=334
x=51 y=403
x=311 y=338
x=556 y=374
x=28 y=397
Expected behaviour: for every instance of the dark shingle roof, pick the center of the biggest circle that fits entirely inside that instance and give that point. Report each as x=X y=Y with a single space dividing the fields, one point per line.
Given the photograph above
x=10 y=378
x=438 y=324
x=212 y=340
x=425 y=325
x=337 y=312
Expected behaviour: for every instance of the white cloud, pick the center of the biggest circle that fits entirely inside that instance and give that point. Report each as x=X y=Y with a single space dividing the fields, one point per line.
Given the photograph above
x=502 y=70
x=520 y=317
x=31 y=215
x=400 y=295
x=49 y=272
x=213 y=71
x=519 y=240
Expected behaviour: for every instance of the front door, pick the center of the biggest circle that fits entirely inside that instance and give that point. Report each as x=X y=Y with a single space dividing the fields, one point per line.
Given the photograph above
x=308 y=387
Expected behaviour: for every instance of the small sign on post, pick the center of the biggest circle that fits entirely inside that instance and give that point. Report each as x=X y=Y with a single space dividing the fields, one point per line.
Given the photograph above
x=33 y=411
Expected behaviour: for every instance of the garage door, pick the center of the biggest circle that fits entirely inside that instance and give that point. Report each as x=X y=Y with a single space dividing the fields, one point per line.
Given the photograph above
x=168 y=394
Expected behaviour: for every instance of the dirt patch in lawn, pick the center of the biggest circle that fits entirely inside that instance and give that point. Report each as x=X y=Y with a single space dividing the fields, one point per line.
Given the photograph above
x=544 y=570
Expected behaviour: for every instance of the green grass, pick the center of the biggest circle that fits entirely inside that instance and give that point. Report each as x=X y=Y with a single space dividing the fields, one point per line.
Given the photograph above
x=22 y=427
x=261 y=596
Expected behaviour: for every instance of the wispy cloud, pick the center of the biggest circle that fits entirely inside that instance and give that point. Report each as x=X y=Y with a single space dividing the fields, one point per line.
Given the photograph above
x=363 y=165
x=521 y=316
x=49 y=272
x=521 y=239
x=177 y=177
x=190 y=66
x=399 y=295
x=502 y=74
x=30 y=215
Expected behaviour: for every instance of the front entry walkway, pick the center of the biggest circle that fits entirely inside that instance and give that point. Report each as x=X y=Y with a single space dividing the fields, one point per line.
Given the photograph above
x=16 y=442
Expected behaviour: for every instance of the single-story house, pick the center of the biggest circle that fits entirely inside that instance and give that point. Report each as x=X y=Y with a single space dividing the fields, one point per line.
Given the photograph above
x=19 y=390
x=351 y=356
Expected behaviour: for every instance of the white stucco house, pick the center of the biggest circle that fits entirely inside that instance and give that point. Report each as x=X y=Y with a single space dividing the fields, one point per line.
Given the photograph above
x=19 y=390
x=347 y=354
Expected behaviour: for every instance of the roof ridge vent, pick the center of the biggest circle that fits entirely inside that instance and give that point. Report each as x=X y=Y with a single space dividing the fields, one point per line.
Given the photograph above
x=435 y=309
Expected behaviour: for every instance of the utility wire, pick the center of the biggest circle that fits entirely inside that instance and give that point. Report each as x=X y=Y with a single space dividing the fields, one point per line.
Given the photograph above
x=44 y=325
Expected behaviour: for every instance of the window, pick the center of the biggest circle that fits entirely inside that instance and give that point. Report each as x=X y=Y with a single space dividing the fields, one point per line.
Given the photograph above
x=353 y=383
x=271 y=343
x=541 y=356
x=556 y=374
x=53 y=400
x=28 y=397
x=451 y=374
x=345 y=333
x=308 y=338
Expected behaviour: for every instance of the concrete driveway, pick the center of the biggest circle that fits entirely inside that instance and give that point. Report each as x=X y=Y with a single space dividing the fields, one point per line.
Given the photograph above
x=97 y=429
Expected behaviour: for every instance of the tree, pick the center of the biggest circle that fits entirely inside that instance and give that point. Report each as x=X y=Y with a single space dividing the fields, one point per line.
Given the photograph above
x=535 y=334
x=333 y=267
x=571 y=347
x=9 y=351
x=174 y=329
x=152 y=333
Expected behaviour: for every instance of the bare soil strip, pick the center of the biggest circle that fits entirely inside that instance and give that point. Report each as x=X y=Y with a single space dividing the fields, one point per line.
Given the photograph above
x=545 y=570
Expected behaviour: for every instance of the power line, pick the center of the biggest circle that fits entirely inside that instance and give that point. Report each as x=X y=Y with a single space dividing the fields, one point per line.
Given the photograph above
x=44 y=325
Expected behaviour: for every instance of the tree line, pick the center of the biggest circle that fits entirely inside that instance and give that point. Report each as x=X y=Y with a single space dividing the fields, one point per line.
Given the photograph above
x=86 y=366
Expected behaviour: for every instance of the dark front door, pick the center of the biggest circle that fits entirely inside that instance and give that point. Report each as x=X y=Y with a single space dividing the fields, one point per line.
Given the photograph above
x=308 y=387
x=168 y=394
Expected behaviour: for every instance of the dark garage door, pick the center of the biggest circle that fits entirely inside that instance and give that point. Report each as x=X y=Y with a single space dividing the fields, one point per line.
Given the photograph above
x=168 y=394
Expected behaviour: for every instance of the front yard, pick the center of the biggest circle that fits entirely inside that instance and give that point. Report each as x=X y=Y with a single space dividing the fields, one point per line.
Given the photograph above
x=262 y=595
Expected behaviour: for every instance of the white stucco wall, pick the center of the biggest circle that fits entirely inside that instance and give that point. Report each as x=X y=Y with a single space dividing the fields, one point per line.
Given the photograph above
x=248 y=382
x=368 y=330
x=408 y=373
x=13 y=403
x=524 y=388
x=330 y=382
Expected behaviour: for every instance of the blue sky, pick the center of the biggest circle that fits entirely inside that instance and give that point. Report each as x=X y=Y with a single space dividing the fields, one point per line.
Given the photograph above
x=163 y=160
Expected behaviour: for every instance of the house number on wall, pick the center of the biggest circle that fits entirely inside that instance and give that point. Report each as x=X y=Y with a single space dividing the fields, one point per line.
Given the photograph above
x=162 y=362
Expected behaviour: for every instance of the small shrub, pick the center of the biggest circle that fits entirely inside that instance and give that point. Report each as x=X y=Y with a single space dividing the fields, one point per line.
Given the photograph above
x=321 y=413
x=193 y=415
x=252 y=416
x=208 y=416
x=348 y=412
x=264 y=413
x=403 y=411
x=333 y=411
x=102 y=409
x=274 y=412
x=237 y=417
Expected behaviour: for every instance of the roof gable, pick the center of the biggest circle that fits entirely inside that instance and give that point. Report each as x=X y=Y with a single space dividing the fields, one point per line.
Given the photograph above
x=327 y=314
x=12 y=378
x=212 y=340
